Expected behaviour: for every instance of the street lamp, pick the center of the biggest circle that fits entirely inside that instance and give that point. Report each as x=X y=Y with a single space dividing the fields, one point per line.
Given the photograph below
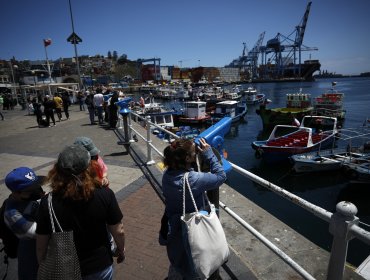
x=14 y=87
x=34 y=80
x=75 y=43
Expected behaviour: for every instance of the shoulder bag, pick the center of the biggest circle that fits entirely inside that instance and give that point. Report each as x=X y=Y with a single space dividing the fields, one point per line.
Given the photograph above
x=61 y=261
x=204 y=237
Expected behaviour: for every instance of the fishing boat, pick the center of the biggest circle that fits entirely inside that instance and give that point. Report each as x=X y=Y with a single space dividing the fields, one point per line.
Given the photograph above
x=236 y=110
x=159 y=115
x=298 y=105
x=252 y=96
x=194 y=113
x=330 y=103
x=324 y=160
x=359 y=169
x=314 y=133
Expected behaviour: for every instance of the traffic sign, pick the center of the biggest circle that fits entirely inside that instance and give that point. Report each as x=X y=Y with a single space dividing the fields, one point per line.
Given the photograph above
x=74 y=39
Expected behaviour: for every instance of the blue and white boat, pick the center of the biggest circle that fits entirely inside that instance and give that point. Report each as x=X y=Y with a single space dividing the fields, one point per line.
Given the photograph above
x=234 y=109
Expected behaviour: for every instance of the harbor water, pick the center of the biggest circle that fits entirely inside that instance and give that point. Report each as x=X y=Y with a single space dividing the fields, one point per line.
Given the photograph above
x=322 y=189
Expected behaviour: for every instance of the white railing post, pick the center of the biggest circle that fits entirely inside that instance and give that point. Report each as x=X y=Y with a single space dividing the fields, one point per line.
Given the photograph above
x=130 y=128
x=150 y=160
x=340 y=223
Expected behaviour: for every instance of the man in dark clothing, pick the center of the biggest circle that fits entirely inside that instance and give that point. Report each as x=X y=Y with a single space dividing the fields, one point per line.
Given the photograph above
x=112 y=107
x=90 y=106
x=37 y=111
x=49 y=106
x=66 y=104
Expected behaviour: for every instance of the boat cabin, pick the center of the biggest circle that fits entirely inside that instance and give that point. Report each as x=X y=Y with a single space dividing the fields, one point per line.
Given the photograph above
x=298 y=100
x=195 y=109
x=227 y=108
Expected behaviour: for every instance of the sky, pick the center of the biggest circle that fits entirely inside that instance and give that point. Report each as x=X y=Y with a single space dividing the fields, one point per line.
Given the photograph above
x=186 y=33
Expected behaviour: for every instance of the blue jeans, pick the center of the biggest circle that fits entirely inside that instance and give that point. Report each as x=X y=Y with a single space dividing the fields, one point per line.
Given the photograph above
x=106 y=274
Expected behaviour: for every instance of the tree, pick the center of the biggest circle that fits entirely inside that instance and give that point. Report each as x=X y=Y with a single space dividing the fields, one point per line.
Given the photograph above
x=115 y=55
x=122 y=59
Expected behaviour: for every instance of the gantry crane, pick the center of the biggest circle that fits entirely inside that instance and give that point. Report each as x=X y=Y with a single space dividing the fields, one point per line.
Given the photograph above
x=248 y=61
x=279 y=56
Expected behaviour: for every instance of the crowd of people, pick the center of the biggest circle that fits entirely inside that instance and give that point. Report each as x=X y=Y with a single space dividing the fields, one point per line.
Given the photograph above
x=82 y=202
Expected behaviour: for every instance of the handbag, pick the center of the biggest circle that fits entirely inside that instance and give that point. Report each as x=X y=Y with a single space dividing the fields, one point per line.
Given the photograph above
x=204 y=237
x=61 y=261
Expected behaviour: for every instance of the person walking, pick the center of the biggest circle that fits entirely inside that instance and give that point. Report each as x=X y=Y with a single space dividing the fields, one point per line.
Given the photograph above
x=90 y=106
x=113 y=109
x=20 y=217
x=99 y=102
x=85 y=208
x=66 y=104
x=58 y=106
x=179 y=158
x=37 y=111
x=81 y=100
x=1 y=107
x=49 y=106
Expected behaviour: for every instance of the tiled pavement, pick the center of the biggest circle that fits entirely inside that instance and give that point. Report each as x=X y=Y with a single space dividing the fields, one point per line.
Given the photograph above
x=22 y=143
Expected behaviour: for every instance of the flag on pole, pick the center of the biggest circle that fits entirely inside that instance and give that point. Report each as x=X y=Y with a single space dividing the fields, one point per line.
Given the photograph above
x=47 y=42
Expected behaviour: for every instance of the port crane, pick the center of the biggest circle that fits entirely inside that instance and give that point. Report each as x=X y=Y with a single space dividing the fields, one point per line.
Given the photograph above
x=157 y=74
x=280 y=53
x=248 y=61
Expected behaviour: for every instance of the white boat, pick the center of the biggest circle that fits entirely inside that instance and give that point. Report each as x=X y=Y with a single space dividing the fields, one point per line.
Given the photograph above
x=236 y=110
x=194 y=113
x=324 y=160
x=232 y=94
x=359 y=169
x=158 y=114
x=253 y=97
x=213 y=94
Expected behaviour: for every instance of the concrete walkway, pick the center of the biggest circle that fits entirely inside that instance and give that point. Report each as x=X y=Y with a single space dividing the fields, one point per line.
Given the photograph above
x=22 y=143
x=136 y=186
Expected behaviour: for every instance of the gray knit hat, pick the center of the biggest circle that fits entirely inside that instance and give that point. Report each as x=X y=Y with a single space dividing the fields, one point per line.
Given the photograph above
x=73 y=159
x=88 y=144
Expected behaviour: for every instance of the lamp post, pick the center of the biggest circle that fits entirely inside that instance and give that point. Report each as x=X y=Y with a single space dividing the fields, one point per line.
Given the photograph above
x=14 y=87
x=34 y=80
x=75 y=47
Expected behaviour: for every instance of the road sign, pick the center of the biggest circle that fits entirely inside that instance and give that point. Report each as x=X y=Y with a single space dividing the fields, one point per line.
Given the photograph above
x=74 y=39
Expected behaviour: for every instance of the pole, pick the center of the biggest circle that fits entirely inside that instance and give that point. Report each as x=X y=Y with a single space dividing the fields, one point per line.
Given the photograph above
x=48 y=65
x=13 y=81
x=75 y=47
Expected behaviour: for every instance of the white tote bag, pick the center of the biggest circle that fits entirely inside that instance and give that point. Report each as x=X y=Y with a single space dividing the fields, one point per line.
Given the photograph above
x=204 y=237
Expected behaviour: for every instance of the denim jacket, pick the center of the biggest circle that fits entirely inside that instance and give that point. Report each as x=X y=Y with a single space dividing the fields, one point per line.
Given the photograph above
x=172 y=184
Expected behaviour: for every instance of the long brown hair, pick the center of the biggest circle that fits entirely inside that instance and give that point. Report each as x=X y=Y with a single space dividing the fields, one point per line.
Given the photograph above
x=175 y=154
x=75 y=187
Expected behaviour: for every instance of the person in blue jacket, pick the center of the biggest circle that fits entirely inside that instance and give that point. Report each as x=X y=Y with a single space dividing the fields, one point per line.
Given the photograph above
x=179 y=158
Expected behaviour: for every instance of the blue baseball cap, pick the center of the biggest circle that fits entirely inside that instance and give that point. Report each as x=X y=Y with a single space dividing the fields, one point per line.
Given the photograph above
x=22 y=179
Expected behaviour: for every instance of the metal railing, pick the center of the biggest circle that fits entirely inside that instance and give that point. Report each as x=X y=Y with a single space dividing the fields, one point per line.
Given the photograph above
x=343 y=224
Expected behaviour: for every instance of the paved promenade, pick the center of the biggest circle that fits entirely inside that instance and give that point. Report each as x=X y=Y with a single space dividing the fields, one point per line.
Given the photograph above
x=22 y=143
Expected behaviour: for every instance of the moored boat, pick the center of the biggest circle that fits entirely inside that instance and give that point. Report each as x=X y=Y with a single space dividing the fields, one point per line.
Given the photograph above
x=194 y=113
x=236 y=110
x=330 y=103
x=324 y=160
x=252 y=96
x=314 y=133
x=298 y=105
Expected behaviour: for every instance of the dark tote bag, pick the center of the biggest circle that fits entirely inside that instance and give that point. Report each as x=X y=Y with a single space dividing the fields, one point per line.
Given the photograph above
x=61 y=261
